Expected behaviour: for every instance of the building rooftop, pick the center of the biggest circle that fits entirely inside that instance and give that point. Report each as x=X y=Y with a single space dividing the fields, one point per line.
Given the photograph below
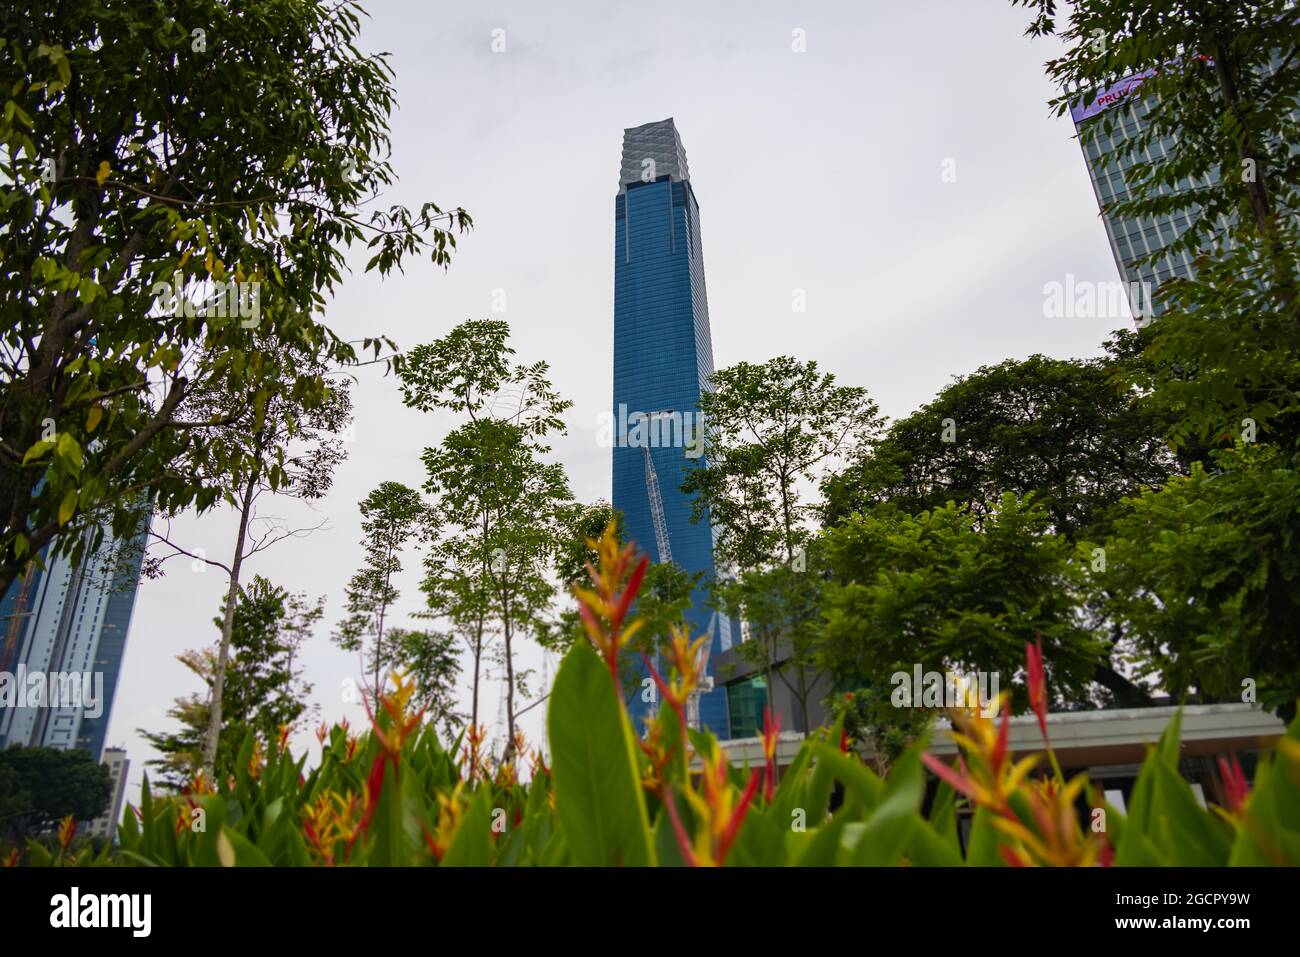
x=657 y=142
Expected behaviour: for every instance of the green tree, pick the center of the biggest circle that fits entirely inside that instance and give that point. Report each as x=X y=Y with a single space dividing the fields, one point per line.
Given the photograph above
x=945 y=591
x=44 y=785
x=430 y=658
x=773 y=432
x=264 y=689
x=144 y=147
x=276 y=443
x=391 y=515
x=1221 y=93
x=497 y=504
x=1056 y=428
x=1203 y=570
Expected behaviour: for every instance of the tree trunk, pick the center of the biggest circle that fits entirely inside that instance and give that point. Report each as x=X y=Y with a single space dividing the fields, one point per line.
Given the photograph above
x=213 y=735
x=478 y=658
x=379 y=624
x=510 y=688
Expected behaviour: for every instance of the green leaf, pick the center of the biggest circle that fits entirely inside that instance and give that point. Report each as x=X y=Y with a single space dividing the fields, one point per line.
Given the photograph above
x=472 y=845
x=597 y=788
x=68 y=506
x=235 y=850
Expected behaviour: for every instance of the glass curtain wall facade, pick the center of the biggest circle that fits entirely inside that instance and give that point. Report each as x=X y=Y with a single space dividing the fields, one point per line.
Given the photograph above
x=69 y=620
x=1109 y=164
x=663 y=357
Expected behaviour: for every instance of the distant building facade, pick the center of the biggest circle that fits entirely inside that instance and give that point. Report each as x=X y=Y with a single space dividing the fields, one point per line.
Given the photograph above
x=63 y=633
x=105 y=826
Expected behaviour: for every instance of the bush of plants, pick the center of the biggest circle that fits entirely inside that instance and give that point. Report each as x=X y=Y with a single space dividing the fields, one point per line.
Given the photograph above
x=396 y=795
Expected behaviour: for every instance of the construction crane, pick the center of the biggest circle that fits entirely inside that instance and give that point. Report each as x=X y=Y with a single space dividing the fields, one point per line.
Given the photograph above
x=664 y=548
x=657 y=508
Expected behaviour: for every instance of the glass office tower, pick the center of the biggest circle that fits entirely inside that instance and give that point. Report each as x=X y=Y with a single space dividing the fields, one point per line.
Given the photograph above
x=1130 y=240
x=60 y=624
x=1108 y=165
x=663 y=357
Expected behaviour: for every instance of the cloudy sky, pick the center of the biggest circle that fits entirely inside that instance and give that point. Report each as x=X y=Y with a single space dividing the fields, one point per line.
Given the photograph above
x=821 y=169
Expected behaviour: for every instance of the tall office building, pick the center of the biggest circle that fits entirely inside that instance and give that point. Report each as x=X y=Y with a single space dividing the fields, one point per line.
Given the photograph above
x=1109 y=166
x=663 y=358
x=105 y=825
x=63 y=634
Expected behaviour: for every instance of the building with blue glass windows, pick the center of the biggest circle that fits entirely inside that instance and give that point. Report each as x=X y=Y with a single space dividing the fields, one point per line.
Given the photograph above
x=663 y=358
x=63 y=628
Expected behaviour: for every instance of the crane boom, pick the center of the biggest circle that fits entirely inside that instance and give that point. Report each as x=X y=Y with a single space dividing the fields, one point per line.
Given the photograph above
x=656 y=509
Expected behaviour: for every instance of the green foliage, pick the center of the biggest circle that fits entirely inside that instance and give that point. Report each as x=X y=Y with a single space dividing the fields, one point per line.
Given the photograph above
x=1054 y=428
x=431 y=659
x=141 y=144
x=951 y=592
x=1204 y=573
x=263 y=691
x=397 y=796
x=39 y=786
x=390 y=515
x=497 y=506
x=597 y=782
x=770 y=429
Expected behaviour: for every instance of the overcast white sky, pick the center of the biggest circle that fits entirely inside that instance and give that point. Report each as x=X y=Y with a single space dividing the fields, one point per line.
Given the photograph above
x=818 y=170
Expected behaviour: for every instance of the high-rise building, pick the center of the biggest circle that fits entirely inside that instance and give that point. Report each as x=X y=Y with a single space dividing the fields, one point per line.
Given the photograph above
x=63 y=632
x=106 y=824
x=1109 y=166
x=663 y=358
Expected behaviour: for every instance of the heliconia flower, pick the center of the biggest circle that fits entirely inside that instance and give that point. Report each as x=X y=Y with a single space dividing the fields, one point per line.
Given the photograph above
x=604 y=609
x=451 y=809
x=332 y=824
x=1035 y=818
x=718 y=813
x=537 y=763
x=475 y=737
x=393 y=733
x=12 y=859
x=283 y=740
x=660 y=753
x=1011 y=857
x=1236 y=789
x=199 y=784
x=686 y=674
x=255 y=760
x=505 y=775
x=322 y=733
x=771 y=729
x=67 y=831
x=1037 y=683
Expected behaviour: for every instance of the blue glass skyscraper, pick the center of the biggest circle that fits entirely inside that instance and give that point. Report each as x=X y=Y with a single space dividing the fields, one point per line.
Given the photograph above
x=663 y=358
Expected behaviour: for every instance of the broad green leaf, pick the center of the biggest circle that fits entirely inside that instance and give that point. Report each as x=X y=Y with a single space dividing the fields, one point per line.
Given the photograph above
x=597 y=788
